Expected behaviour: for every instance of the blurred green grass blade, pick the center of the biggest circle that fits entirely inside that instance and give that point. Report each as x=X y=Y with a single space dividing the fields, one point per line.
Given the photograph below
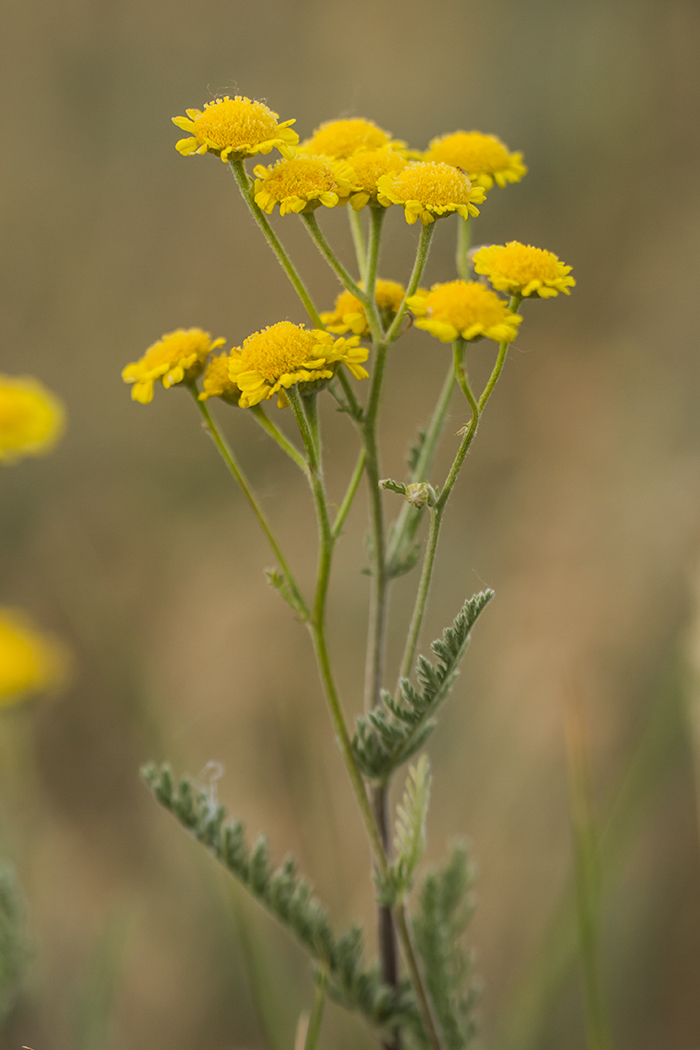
x=587 y=879
x=661 y=742
x=94 y=1004
x=13 y=945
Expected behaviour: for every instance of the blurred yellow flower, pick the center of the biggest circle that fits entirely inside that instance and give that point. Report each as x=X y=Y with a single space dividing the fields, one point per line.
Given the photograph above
x=520 y=269
x=287 y=354
x=466 y=309
x=303 y=184
x=177 y=356
x=234 y=128
x=31 y=418
x=218 y=383
x=348 y=315
x=428 y=190
x=342 y=138
x=30 y=661
x=484 y=158
x=369 y=165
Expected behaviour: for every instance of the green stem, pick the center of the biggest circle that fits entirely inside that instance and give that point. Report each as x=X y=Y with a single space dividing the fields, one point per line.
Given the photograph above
x=438 y=511
x=358 y=238
x=353 y=404
x=425 y=1007
x=375 y=236
x=345 y=506
x=311 y=223
x=405 y=526
x=230 y=461
x=426 y=237
x=463 y=243
x=378 y=601
x=317 y=623
x=269 y=427
x=241 y=176
x=314 y=1029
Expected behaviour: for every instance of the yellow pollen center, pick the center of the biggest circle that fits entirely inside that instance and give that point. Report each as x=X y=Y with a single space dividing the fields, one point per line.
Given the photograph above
x=369 y=165
x=432 y=183
x=279 y=350
x=473 y=152
x=463 y=304
x=300 y=177
x=340 y=138
x=235 y=122
x=176 y=347
x=524 y=264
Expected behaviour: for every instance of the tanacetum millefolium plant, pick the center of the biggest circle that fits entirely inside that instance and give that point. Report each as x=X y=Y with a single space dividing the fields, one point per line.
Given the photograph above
x=421 y=991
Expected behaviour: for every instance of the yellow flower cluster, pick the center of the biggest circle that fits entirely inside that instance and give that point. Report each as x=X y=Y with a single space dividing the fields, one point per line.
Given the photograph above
x=234 y=128
x=483 y=158
x=520 y=269
x=286 y=354
x=31 y=418
x=177 y=356
x=30 y=661
x=348 y=314
x=303 y=184
x=464 y=309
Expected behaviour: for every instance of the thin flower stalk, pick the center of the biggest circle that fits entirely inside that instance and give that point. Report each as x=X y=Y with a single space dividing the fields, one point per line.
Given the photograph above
x=316 y=234
x=350 y=494
x=241 y=177
x=463 y=244
x=426 y=239
x=359 y=241
x=277 y=436
x=230 y=460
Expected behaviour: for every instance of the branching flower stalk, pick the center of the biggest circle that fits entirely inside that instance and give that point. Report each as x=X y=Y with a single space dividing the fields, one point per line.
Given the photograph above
x=357 y=164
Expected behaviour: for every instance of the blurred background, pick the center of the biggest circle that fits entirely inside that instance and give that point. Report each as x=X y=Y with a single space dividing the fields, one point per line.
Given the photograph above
x=579 y=505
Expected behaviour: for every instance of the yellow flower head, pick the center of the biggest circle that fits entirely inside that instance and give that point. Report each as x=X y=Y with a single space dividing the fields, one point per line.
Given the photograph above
x=177 y=356
x=483 y=157
x=428 y=189
x=520 y=269
x=369 y=165
x=286 y=354
x=234 y=128
x=348 y=315
x=342 y=138
x=466 y=309
x=303 y=184
x=217 y=381
x=31 y=418
x=30 y=662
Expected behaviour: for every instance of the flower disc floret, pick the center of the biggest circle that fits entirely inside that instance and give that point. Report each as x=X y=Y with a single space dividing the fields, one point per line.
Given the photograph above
x=178 y=356
x=520 y=269
x=342 y=138
x=428 y=190
x=216 y=381
x=303 y=184
x=30 y=661
x=234 y=128
x=31 y=418
x=348 y=314
x=286 y=354
x=369 y=165
x=484 y=158
x=464 y=309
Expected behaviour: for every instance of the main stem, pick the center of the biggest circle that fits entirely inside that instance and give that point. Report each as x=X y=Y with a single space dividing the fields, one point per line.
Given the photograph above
x=241 y=176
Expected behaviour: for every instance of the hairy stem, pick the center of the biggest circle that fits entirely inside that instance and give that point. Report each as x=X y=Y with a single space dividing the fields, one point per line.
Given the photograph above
x=305 y=415
x=426 y=238
x=232 y=464
x=358 y=239
x=241 y=176
x=463 y=243
x=425 y=1007
x=375 y=236
x=311 y=223
x=407 y=521
x=350 y=494
x=269 y=427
